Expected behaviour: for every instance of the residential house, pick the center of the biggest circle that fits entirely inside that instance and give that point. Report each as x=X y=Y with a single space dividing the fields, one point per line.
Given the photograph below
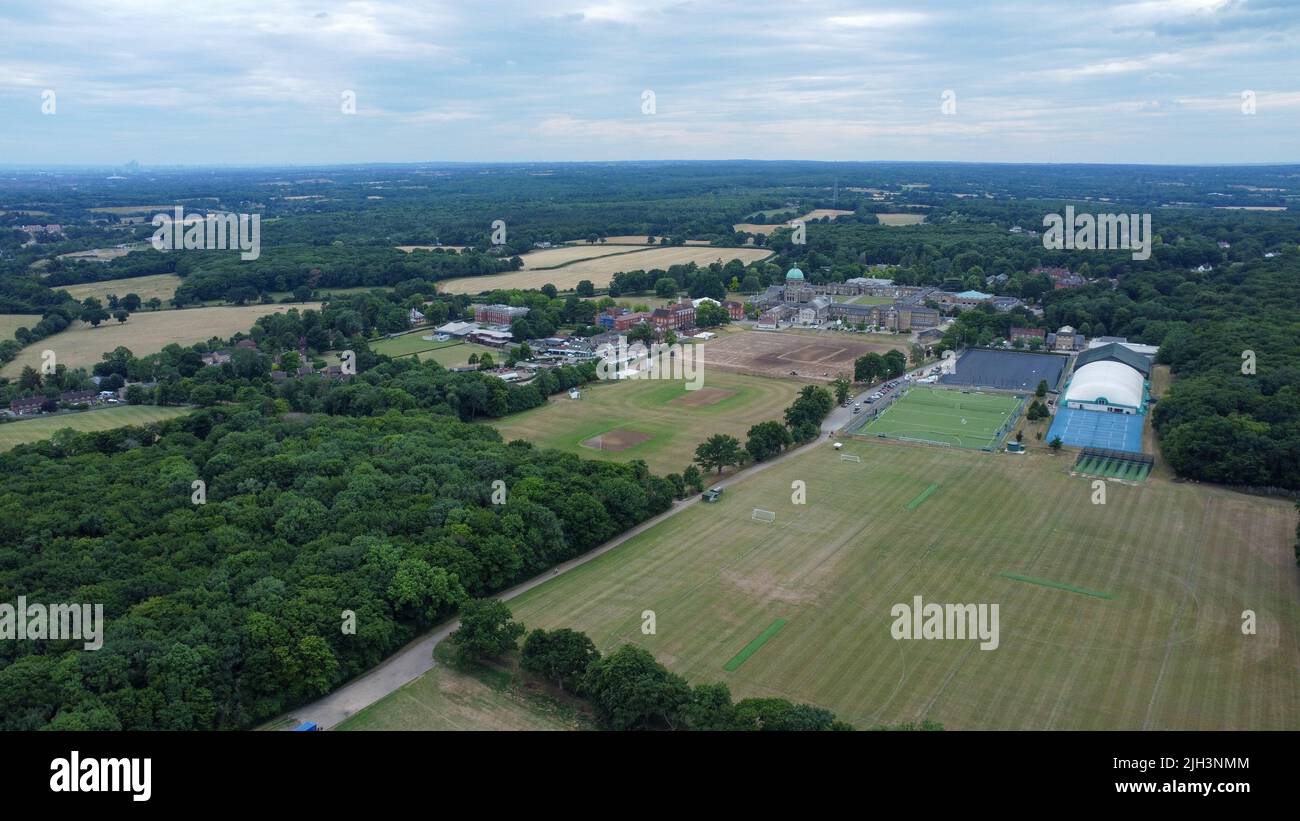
x=21 y=407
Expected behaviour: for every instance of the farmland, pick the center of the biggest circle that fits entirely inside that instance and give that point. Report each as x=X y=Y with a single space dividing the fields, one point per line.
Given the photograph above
x=144 y=333
x=576 y=267
x=900 y=219
x=162 y=286
x=612 y=417
x=1162 y=648
x=12 y=322
x=43 y=427
x=816 y=214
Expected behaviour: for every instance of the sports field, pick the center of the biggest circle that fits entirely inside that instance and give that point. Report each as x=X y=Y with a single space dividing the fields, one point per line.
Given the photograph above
x=1126 y=615
x=407 y=344
x=947 y=417
x=43 y=427
x=655 y=420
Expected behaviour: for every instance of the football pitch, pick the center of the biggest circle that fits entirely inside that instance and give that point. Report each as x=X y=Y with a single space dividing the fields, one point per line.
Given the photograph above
x=947 y=417
x=1127 y=615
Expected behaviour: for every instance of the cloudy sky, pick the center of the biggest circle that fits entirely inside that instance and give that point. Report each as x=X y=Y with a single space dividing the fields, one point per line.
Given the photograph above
x=264 y=81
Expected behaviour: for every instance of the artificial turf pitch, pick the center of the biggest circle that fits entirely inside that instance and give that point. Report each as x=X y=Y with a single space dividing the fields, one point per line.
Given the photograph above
x=946 y=417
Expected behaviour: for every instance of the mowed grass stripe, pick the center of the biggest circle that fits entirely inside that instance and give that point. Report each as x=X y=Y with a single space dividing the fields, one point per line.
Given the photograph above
x=752 y=648
x=925 y=494
x=1057 y=585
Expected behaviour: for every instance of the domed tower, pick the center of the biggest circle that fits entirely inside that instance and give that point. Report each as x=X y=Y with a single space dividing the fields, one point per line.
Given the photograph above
x=795 y=286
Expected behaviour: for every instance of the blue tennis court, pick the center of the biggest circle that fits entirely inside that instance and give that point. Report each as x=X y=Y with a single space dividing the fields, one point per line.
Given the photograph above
x=1095 y=429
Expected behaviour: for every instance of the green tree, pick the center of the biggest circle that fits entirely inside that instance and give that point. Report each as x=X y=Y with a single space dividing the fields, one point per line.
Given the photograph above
x=718 y=451
x=692 y=478
x=1041 y=390
x=632 y=691
x=487 y=630
x=1055 y=444
x=842 y=387
x=644 y=333
x=561 y=656
x=767 y=439
x=868 y=368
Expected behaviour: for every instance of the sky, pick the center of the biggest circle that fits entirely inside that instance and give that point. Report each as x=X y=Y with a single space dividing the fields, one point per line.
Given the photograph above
x=267 y=82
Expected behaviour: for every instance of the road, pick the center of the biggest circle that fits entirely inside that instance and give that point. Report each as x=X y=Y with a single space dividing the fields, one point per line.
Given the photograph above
x=416 y=658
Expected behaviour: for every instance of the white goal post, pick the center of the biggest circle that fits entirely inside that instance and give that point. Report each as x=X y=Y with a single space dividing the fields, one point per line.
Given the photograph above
x=850 y=457
x=760 y=515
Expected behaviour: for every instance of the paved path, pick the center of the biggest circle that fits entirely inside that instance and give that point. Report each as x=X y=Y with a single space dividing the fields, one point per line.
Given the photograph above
x=416 y=658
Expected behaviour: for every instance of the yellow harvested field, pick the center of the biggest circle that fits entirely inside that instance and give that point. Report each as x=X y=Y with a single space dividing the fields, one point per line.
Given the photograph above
x=12 y=322
x=162 y=286
x=900 y=219
x=81 y=346
x=818 y=213
x=100 y=254
x=552 y=257
x=815 y=214
x=600 y=270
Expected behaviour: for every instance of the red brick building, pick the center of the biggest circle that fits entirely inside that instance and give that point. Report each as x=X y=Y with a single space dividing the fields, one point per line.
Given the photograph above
x=679 y=317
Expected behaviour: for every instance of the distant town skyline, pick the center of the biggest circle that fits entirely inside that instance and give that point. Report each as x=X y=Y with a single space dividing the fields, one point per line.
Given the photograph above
x=1196 y=82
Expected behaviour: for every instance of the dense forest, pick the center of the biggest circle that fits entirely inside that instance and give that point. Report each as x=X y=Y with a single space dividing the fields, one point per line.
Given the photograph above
x=225 y=613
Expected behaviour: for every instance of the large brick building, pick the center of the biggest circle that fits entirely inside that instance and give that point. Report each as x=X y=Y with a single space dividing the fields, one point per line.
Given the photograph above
x=497 y=314
x=679 y=317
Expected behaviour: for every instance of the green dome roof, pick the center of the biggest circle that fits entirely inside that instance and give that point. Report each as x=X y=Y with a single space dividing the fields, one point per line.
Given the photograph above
x=794 y=273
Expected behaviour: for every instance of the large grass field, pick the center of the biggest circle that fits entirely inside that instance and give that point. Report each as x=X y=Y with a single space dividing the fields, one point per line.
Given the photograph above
x=1161 y=647
x=162 y=286
x=966 y=420
x=12 y=322
x=447 y=699
x=43 y=427
x=81 y=345
x=407 y=344
x=576 y=266
x=674 y=419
